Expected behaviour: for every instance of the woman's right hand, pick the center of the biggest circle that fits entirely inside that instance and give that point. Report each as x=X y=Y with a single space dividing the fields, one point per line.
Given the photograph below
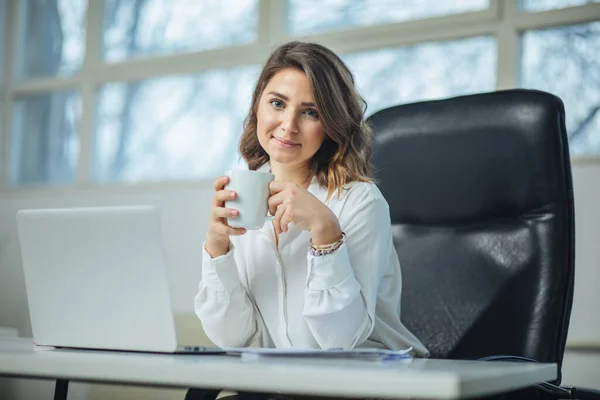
x=217 y=235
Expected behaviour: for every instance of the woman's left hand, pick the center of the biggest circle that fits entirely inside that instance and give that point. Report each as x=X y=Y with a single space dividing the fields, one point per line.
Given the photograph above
x=290 y=203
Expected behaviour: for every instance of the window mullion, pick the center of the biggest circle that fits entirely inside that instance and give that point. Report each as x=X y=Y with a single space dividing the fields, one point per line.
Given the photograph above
x=272 y=26
x=91 y=62
x=508 y=46
x=10 y=20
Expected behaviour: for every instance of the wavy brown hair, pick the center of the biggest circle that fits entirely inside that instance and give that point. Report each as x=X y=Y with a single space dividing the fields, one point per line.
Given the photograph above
x=345 y=155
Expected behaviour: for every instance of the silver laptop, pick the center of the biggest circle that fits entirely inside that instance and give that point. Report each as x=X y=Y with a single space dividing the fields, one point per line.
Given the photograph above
x=96 y=278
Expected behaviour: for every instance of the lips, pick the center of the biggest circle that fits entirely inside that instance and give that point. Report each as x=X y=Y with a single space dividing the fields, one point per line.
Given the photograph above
x=285 y=143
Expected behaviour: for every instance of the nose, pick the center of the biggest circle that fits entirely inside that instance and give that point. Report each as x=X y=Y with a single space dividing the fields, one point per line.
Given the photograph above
x=289 y=123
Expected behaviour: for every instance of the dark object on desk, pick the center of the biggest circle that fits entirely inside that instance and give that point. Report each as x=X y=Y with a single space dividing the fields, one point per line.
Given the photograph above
x=481 y=201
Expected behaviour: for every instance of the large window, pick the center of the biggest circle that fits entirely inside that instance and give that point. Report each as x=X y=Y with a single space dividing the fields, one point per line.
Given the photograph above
x=544 y=5
x=312 y=16
x=566 y=61
x=168 y=128
x=45 y=140
x=135 y=28
x=126 y=91
x=50 y=40
x=406 y=74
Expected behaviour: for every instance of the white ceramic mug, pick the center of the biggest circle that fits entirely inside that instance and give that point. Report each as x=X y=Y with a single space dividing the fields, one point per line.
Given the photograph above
x=252 y=188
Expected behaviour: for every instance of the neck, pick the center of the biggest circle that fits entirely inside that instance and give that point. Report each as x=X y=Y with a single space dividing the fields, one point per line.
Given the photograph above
x=299 y=174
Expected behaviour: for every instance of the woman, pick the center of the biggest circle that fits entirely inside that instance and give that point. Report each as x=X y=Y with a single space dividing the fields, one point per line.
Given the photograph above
x=324 y=273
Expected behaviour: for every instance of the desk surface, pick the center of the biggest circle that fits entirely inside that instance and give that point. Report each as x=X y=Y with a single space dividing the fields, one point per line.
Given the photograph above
x=418 y=378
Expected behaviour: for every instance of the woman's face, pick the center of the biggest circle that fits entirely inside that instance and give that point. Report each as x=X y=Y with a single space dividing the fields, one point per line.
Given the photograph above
x=288 y=125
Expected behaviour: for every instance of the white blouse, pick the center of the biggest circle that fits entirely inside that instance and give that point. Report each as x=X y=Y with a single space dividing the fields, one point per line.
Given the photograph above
x=285 y=297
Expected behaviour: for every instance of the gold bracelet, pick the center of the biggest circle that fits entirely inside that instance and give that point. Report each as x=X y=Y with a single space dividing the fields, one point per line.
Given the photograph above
x=324 y=250
x=333 y=245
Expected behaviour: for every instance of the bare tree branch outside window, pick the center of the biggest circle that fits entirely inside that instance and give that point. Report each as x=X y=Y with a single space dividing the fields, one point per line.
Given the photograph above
x=565 y=61
x=179 y=127
x=45 y=140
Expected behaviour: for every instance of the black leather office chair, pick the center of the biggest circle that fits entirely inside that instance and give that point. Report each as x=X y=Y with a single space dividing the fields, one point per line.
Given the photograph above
x=481 y=202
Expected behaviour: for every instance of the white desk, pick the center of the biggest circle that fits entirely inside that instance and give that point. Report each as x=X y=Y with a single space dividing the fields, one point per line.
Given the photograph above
x=441 y=379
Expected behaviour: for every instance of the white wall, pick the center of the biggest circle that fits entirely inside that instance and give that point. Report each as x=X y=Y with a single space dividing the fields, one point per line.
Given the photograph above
x=585 y=318
x=582 y=368
x=185 y=212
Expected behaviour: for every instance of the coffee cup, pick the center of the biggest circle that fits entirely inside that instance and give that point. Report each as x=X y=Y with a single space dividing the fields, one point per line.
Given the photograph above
x=252 y=200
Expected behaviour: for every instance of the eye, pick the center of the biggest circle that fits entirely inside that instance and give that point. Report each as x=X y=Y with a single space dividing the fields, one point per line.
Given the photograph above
x=276 y=103
x=312 y=113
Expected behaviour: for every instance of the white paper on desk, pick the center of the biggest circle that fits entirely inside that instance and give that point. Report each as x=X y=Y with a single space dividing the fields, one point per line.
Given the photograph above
x=360 y=353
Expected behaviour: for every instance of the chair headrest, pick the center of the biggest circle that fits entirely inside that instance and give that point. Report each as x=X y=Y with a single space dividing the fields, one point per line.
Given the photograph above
x=470 y=158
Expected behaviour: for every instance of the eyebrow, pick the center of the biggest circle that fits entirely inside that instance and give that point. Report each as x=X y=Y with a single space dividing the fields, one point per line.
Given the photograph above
x=284 y=97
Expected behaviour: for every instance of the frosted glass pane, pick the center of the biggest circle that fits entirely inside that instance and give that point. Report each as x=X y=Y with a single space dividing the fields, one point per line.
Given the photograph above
x=53 y=37
x=136 y=28
x=544 y=5
x=565 y=61
x=393 y=76
x=45 y=141
x=313 y=16
x=180 y=127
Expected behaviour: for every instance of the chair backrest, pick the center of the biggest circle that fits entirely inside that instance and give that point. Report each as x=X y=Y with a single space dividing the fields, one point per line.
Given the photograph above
x=481 y=202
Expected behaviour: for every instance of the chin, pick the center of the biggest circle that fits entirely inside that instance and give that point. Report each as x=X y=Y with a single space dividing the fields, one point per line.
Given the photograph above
x=282 y=159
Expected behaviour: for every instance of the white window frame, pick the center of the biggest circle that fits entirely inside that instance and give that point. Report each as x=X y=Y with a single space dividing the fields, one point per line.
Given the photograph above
x=501 y=20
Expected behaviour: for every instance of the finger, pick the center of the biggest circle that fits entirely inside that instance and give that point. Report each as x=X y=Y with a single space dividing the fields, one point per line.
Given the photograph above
x=224 y=229
x=277 y=186
x=222 y=196
x=277 y=220
x=275 y=201
x=286 y=219
x=222 y=212
x=220 y=183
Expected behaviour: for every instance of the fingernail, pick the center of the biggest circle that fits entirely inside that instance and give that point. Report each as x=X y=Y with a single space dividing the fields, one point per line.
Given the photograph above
x=234 y=212
x=232 y=194
x=243 y=231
